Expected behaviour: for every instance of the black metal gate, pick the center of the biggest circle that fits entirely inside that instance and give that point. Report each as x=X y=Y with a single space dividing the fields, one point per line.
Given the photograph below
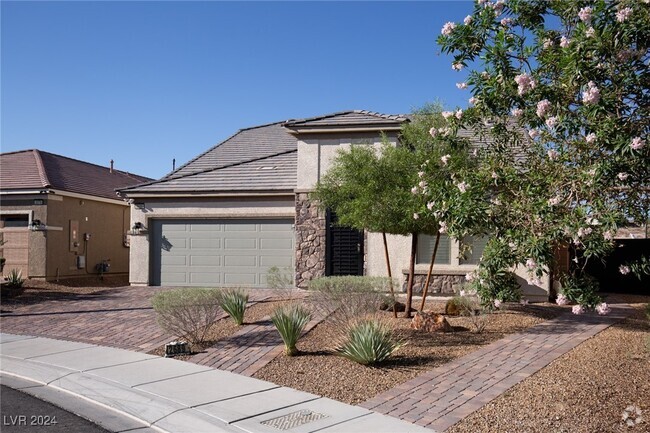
x=344 y=249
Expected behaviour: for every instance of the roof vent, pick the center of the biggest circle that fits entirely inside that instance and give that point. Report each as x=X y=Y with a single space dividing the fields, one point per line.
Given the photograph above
x=267 y=167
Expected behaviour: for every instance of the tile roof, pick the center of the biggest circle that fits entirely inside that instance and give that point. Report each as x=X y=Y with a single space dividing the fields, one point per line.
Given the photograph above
x=270 y=173
x=234 y=164
x=355 y=118
x=35 y=169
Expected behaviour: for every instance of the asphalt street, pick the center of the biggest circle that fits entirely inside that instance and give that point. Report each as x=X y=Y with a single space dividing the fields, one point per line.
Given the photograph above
x=22 y=413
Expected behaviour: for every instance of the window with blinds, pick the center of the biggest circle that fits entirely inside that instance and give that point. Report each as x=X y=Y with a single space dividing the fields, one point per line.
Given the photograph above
x=473 y=256
x=425 y=249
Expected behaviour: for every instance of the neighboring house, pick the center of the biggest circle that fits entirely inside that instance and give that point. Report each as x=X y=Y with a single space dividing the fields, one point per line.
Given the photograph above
x=230 y=214
x=60 y=217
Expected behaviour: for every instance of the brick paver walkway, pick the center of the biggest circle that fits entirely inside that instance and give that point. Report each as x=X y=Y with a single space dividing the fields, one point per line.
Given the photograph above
x=443 y=396
x=116 y=317
x=247 y=351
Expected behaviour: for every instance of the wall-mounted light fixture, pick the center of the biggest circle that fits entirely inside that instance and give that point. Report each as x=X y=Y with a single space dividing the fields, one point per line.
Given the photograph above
x=37 y=225
x=138 y=228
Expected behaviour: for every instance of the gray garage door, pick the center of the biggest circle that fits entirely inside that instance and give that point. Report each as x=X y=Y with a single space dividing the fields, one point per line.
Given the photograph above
x=219 y=252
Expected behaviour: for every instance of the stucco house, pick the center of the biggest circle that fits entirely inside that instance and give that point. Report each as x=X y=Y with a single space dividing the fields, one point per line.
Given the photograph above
x=231 y=213
x=60 y=217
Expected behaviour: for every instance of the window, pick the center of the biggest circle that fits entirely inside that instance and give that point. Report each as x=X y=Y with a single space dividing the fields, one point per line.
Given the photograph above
x=14 y=220
x=425 y=249
x=473 y=256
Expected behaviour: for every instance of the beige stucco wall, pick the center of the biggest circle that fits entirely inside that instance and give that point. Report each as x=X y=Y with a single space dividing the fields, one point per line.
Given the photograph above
x=49 y=249
x=145 y=210
x=106 y=223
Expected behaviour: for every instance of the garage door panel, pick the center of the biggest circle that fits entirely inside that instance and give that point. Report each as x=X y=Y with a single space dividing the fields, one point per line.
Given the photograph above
x=209 y=244
x=205 y=278
x=220 y=252
x=241 y=244
x=205 y=260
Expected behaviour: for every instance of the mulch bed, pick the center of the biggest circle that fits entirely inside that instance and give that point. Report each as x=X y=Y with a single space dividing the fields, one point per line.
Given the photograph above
x=319 y=371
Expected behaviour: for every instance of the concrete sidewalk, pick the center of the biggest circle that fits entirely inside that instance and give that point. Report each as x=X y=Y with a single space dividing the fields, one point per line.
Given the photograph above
x=174 y=396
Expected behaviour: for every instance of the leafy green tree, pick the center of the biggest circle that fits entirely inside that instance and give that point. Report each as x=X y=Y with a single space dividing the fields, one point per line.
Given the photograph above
x=560 y=97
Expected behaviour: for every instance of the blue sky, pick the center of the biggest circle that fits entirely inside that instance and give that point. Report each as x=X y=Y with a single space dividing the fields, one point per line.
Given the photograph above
x=145 y=82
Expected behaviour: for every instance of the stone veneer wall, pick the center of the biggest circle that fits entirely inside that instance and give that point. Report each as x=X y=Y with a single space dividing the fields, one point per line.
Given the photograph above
x=310 y=240
x=442 y=284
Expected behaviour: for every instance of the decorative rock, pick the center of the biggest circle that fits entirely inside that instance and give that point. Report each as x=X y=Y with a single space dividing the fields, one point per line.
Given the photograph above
x=430 y=322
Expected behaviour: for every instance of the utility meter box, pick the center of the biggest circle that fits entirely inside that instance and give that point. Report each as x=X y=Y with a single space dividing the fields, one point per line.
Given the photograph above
x=81 y=262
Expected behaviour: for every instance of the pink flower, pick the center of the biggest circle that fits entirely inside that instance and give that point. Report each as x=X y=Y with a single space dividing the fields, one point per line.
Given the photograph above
x=585 y=14
x=462 y=85
x=430 y=205
x=590 y=138
x=416 y=216
x=624 y=270
x=517 y=112
x=551 y=122
x=462 y=187
x=533 y=133
x=542 y=107
x=552 y=154
x=494 y=175
x=590 y=32
x=531 y=263
x=623 y=14
x=561 y=299
x=582 y=232
x=459 y=114
x=578 y=309
x=422 y=184
x=525 y=83
x=447 y=114
x=548 y=43
x=591 y=95
x=468 y=20
x=637 y=143
x=622 y=176
x=433 y=132
x=420 y=174
x=448 y=28
x=603 y=309
x=443 y=227
x=473 y=100
x=506 y=22
x=497 y=303
x=457 y=66
x=564 y=41
x=470 y=276
x=414 y=190
x=608 y=235
x=444 y=159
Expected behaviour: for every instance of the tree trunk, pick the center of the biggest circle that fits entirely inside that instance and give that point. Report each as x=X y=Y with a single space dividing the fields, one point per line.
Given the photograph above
x=390 y=273
x=425 y=290
x=409 y=286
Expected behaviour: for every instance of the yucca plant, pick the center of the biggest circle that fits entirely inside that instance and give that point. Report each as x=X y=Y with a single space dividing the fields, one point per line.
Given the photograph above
x=14 y=285
x=233 y=302
x=290 y=321
x=368 y=341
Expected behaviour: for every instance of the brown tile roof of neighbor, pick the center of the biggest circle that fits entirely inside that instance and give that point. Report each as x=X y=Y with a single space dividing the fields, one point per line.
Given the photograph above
x=348 y=119
x=36 y=169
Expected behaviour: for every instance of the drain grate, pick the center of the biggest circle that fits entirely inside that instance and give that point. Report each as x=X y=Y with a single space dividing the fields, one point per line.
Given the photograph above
x=293 y=419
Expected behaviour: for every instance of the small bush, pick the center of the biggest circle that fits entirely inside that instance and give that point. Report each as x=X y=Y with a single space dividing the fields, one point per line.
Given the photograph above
x=582 y=290
x=233 y=302
x=368 y=341
x=290 y=321
x=458 y=305
x=350 y=296
x=14 y=285
x=479 y=319
x=187 y=313
x=281 y=280
x=500 y=284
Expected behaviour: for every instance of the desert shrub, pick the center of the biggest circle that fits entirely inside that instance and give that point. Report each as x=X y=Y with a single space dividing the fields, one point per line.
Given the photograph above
x=282 y=281
x=367 y=341
x=350 y=296
x=290 y=320
x=188 y=312
x=582 y=290
x=15 y=279
x=458 y=305
x=479 y=318
x=233 y=302
x=499 y=284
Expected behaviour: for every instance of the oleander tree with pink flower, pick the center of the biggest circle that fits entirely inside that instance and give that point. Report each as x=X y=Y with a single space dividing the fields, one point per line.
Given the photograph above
x=559 y=92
